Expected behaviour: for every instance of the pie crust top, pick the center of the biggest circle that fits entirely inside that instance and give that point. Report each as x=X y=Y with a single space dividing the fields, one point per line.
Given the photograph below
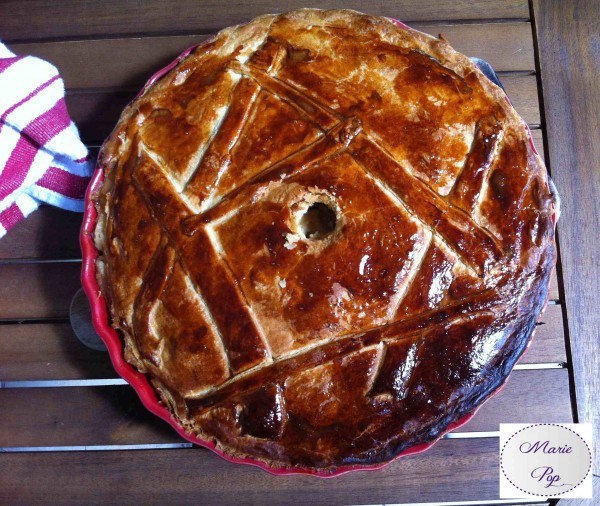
x=324 y=237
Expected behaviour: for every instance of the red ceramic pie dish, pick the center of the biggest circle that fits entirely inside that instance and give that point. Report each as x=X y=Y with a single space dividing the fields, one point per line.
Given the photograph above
x=139 y=381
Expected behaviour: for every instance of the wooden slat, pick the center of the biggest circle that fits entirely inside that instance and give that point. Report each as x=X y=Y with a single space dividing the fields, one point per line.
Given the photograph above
x=548 y=345
x=114 y=415
x=44 y=290
x=523 y=93
x=49 y=351
x=38 y=290
x=52 y=352
x=73 y=18
x=130 y=62
x=48 y=233
x=456 y=470
x=506 y=46
x=78 y=416
x=112 y=63
x=96 y=112
x=569 y=61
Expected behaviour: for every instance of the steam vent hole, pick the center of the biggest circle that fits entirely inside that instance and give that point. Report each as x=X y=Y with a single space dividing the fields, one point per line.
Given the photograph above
x=318 y=221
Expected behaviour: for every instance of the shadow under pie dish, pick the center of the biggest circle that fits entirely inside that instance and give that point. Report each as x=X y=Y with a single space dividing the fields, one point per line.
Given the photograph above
x=321 y=239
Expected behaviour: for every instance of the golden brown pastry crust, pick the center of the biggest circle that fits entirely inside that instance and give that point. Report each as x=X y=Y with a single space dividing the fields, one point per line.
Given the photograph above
x=355 y=343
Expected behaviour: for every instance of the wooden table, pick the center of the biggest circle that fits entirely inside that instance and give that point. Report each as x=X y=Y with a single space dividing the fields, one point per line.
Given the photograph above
x=73 y=432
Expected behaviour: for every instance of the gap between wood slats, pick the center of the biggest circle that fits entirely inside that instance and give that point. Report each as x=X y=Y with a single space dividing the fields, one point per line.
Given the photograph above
x=73 y=18
x=460 y=470
x=114 y=414
x=96 y=112
x=130 y=62
x=499 y=502
x=93 y=448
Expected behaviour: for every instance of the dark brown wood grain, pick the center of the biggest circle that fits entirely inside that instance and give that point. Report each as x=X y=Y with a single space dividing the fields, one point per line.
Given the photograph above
x=96 y=112
x=73 y=18
x=48 y=351
x=523 y=94
x=454 y=470
x=65 y=416
x=548 y=344
x=70 y=416
x=38 y=290
x=48 y=233
x=129 y=62
x=569 y=58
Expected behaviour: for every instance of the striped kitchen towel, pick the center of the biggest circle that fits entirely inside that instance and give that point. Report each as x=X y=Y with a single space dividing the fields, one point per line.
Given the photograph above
x=42 y=159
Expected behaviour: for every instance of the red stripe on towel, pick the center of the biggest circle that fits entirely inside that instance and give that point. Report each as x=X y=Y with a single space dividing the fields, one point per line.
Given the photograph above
x=11 y=216
x=7 y=62
x=63 y=182
x=50 y=123
x=17 y=166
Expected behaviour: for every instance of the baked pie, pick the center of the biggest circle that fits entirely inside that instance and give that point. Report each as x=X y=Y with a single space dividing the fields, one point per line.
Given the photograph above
x=324 y=237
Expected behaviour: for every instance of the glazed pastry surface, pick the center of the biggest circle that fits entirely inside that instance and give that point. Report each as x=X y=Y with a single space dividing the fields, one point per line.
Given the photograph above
x=324 y=237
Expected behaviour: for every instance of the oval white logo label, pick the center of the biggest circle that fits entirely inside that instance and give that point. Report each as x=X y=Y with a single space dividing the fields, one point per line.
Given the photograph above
x=545 y=459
